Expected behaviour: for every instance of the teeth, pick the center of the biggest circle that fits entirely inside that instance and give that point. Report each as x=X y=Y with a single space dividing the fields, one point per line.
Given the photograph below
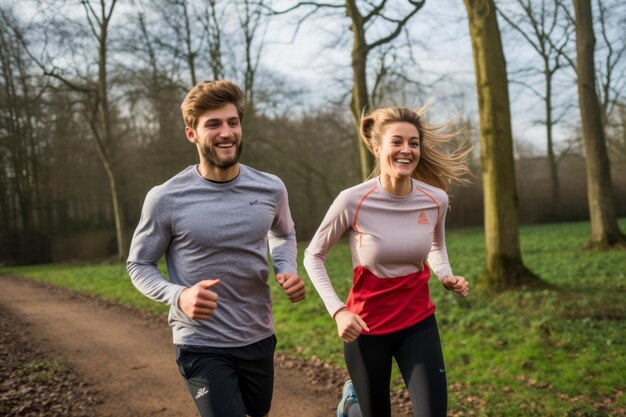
x=224 y=145
x=403 y=161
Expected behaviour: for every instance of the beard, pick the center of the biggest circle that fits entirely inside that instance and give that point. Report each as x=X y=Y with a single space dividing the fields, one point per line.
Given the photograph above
x=220 y=162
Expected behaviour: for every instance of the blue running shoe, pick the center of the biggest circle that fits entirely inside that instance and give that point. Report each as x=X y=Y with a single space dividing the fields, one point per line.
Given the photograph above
x=348 y=398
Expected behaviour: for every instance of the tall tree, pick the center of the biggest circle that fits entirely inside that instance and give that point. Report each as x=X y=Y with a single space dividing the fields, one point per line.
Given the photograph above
x=182 y=33
x=253 y=20
x=96 y=94
x=213 y=27
x=542 y=25
x=605 y=230
x=504 y=265
x=19 y=139
x=154 y=96
x=365 y=16
x=361 y=48
x=611 y=76
x=99 y=18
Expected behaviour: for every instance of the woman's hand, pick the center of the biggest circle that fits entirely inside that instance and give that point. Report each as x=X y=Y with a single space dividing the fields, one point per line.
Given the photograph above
x=457 y=284
x=349 y=325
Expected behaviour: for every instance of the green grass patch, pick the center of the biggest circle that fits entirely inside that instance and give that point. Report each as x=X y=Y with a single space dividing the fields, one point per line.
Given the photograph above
x=556 y=352
x=106 y=281
x=40 y=370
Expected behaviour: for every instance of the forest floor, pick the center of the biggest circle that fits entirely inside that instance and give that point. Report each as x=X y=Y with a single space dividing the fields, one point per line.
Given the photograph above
x=65 y=354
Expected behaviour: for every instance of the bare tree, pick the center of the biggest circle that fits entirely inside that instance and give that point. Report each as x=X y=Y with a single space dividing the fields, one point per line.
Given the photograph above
x=392 y=82
x=543 y=27
x=18 y=136
x=616 y=140
x=212 y=23
x=360 y=50
x=362 y=17
x=99 y=18
x=253 y=20
x=611 y=76
x=504 y=265
x=96 y=92
x=154 y=94
x=605 y=230
x=184 y=33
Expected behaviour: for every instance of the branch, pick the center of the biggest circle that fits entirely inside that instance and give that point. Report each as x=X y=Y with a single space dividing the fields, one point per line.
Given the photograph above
x=89 y=11
x=375 y=11
x=313 y=4
x=380 y=75
x=529 y=87
x=521 y=31
x=67 y=82
x=571 y=23
x=108 y=16
x=46 y=71
x=612 y=59
x=418 y=5
x=567 y=109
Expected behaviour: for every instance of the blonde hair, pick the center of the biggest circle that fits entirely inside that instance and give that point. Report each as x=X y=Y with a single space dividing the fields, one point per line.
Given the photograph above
x=210 y=95
x=435 y=167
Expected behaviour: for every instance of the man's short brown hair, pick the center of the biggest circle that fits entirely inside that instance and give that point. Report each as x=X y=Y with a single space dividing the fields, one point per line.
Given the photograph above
x=210 y=95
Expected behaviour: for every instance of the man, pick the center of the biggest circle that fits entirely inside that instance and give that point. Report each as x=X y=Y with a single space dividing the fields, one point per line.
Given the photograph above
x=214 y=222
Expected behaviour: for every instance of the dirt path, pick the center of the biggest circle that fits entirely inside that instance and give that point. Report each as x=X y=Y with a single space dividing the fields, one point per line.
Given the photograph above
x=129 y=359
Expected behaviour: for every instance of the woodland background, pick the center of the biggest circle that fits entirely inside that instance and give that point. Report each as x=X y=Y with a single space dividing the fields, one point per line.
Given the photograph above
x=90 y=95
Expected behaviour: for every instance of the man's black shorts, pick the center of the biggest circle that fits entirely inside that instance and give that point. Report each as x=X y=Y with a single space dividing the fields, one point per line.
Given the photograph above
x=229 y=382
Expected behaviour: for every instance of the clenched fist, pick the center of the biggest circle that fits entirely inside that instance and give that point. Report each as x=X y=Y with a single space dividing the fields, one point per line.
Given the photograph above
x=456 y=284
x=292 y=285
x=349 y=325
x=199 y=302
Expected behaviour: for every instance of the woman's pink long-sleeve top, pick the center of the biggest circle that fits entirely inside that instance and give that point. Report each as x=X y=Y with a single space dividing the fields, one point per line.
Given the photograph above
x=391 y=238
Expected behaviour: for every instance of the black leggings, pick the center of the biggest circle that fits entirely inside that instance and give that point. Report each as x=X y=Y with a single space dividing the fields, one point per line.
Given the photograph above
x=417 y=351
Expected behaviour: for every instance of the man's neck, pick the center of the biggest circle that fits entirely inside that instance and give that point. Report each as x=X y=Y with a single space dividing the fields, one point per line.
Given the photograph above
x=217 y=174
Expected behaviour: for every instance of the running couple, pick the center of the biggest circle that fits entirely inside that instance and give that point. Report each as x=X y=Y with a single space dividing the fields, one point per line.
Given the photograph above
x=215 y=221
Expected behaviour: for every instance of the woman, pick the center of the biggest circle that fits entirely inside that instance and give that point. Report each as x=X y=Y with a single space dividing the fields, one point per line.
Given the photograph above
x=395 y=222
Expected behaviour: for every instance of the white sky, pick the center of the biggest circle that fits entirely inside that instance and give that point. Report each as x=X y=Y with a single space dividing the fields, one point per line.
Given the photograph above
x=440 y=42
x=441 y=45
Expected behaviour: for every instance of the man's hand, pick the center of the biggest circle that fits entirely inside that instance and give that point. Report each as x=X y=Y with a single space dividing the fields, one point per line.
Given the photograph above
x=292 y=285
x=349 y=325
x=457 y=284
x=198 y=302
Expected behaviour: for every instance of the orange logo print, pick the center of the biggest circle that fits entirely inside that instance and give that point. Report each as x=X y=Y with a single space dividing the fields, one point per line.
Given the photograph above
x=422 y=219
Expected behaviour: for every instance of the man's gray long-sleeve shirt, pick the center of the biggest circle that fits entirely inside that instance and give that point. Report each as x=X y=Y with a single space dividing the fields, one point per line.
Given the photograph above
x=213 y=230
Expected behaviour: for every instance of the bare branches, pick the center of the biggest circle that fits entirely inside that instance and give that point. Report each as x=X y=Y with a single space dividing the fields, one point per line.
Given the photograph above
x=213 y=30
x=376 y=11
x=417 y=5
x=185 y=39
x=51 y=72
x=609 y=89
x=539 y=25
x=543 y=39
x=314 y=4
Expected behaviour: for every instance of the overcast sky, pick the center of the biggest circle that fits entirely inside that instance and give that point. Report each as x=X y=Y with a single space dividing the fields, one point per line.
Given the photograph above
x=441 y=45
x=318 y=59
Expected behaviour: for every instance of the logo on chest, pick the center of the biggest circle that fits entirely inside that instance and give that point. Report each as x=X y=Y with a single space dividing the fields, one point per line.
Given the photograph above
x=422 y=219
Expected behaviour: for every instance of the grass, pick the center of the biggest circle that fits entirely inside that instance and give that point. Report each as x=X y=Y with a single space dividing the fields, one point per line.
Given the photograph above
x=41 y=370
x=557 y=352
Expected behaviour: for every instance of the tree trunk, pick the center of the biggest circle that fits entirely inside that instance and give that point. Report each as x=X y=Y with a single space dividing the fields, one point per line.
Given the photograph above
x=605 y=230
x=504 y=266
x=552 y=164
x=360 y=98
x=190 y=53
x=105 y=143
